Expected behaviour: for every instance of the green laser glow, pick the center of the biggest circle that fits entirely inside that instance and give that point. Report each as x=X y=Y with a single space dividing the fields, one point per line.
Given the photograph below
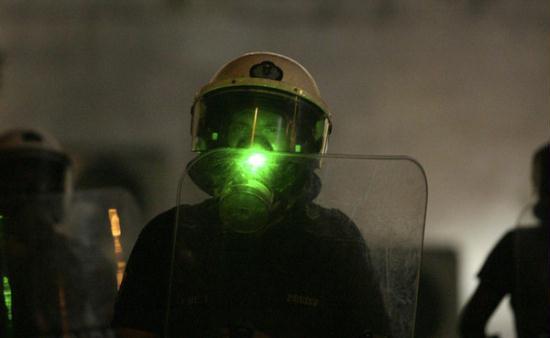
x=252 y=164
x=256 y=161
x=215 y=136
x=6 y=288
x=7 y=296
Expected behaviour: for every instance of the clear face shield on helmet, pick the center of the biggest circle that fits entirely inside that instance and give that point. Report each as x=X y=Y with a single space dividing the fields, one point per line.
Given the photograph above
x=271 y=120
x=259 y=131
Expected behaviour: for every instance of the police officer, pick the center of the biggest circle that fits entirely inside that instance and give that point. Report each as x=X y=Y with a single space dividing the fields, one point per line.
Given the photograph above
x=35 y=260
x=258 y=258
x=518 y=267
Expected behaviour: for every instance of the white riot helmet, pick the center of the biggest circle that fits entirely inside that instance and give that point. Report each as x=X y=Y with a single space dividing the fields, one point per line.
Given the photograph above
x=262 y=99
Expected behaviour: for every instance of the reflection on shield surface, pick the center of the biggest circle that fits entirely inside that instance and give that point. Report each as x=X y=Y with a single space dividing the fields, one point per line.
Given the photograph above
x=62 y=257
x=291 y=245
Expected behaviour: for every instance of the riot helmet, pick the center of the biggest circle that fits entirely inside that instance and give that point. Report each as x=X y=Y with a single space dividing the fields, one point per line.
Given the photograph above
x=262 y=99
x=34 y=185
x=32 y=162
x=255 y=109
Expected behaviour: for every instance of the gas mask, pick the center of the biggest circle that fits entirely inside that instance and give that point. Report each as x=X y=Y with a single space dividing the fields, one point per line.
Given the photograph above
x=253 y=186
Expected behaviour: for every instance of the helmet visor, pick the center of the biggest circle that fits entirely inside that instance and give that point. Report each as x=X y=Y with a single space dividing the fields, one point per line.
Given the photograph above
x=257 y=117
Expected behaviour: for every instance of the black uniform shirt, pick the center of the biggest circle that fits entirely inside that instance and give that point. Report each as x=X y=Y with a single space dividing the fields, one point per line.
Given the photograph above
x=308 y=275
x=518 y=266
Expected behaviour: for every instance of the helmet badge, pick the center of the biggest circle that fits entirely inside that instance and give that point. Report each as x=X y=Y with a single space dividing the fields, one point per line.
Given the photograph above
x=266 y=70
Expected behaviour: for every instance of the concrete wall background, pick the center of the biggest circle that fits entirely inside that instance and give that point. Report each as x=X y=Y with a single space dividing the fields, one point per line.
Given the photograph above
x=461 y=86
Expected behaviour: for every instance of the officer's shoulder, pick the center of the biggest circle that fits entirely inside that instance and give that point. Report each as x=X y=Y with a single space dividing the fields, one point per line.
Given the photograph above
x=166 y=220
x=330 y=223
x=528 y=235
x=159 y=225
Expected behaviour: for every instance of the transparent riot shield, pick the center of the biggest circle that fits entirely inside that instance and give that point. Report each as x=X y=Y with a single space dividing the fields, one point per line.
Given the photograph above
x=61 y=260
x=284 y=245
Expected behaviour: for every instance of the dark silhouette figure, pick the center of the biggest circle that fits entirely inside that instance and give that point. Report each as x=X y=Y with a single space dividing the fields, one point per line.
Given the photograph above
x=517 y=266
x=48 y=276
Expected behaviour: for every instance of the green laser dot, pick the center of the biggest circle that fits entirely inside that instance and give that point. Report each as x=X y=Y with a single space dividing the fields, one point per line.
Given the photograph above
x=298 y=148
x=214 y=136
x=256 y=161
x=7 y=296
